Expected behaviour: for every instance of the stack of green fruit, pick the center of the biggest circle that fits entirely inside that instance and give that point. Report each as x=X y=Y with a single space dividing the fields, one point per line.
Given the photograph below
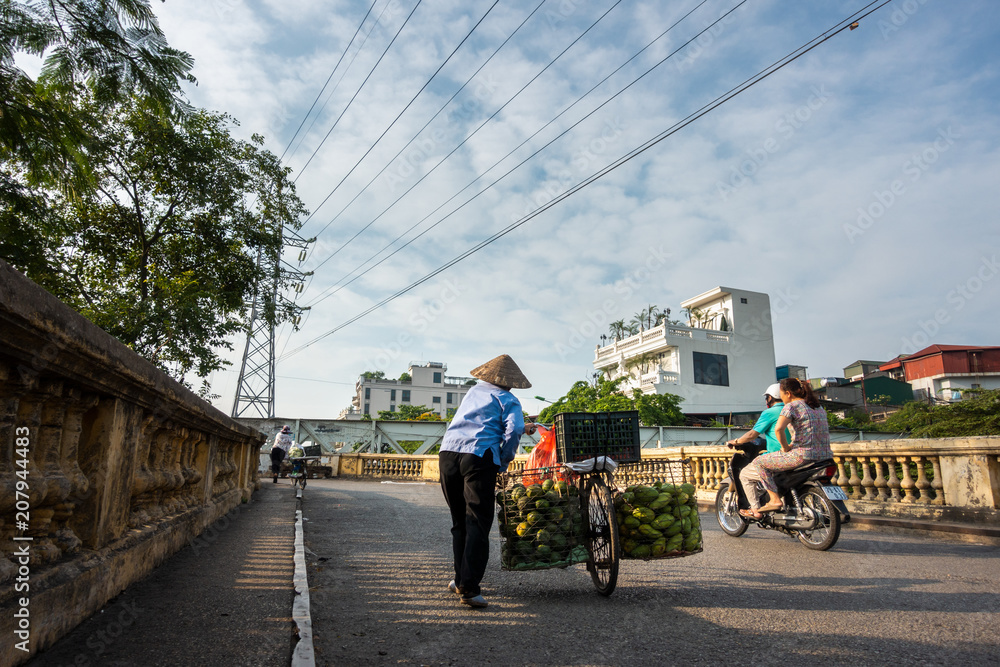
x=541 y=526
x=658 y=521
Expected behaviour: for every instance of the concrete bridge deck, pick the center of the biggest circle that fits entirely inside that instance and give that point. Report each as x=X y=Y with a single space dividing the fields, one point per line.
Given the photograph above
x=378 y=566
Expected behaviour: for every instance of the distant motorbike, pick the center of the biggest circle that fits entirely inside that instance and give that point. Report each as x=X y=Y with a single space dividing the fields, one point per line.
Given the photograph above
x=813 y=508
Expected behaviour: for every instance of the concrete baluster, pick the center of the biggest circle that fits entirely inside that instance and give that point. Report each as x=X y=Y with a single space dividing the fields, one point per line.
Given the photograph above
x=842 y=480
x=881 y=483
x=923 y=484
x=937 y=483
x=894 y=484
x=867 y=482
x=857 y=492
x=908 y=485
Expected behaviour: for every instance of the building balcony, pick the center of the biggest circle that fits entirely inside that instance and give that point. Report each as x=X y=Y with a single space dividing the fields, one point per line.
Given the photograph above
x=646 y=341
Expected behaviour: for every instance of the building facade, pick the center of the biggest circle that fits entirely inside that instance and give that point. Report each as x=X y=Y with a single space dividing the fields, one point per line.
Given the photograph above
x=428 y=385
x=720 y=363
x=943 y=372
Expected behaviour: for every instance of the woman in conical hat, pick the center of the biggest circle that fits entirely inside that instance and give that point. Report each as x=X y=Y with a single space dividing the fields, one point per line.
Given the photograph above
x=480 y=441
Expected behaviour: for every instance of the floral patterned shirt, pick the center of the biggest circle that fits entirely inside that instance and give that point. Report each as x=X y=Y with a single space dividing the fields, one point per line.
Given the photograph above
x=810 y=430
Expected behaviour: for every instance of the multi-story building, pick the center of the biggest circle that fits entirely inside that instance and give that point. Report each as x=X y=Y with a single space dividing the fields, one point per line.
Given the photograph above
x=428 y=385
x=720 y=363
x=943 y=372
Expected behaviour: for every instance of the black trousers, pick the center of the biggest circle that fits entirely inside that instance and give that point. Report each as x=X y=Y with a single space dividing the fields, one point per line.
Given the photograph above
x=469 y=482
x=276 y=461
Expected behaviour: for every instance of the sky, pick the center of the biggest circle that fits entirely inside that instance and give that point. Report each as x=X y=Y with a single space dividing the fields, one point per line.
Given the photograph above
x=858 y=186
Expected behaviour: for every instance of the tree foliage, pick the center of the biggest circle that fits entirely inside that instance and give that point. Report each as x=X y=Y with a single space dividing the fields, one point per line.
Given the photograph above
x=163 y=251
x=978 y=413
x=606 y=396
x=410 y=413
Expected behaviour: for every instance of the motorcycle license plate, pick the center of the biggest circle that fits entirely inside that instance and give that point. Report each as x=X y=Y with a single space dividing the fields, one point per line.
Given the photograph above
x=834 y=493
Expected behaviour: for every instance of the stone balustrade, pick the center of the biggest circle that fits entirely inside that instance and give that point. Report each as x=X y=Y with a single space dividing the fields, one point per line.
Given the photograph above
x=956 y=479
x=108 y=466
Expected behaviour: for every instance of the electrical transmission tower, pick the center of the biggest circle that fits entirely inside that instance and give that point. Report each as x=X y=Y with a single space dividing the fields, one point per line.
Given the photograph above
x=255 y=391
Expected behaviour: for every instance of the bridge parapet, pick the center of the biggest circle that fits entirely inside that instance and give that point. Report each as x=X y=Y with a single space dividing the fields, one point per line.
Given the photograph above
x=951 y=479
x=112 y=465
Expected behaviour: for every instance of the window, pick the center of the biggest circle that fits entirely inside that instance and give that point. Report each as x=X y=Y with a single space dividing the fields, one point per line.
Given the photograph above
x=437 y=380
x=451 y=397
x=406 y=395
x=368 y=393
x=392 y=394
x=392 y=408
x=743 y=299
x=436 y=399
x=711 y=369
x=976 y=386
x=368 y=409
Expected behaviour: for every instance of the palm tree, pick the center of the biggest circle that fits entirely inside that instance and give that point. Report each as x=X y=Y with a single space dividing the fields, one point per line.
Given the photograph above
x=638 y=320
x=651 y=314
x=617 y=329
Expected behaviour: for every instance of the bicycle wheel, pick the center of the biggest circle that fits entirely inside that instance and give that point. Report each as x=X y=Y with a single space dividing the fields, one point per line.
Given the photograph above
x=602 y=535
x=728 y=513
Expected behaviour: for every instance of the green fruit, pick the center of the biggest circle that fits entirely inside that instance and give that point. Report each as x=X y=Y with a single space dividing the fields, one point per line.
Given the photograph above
x=657 y=548
x=649 y=532
x=522 y=528
x=673 y=529
x=524 y=547
x=534 y=518
x=547 y=485
x=542 y=504
x=517 y=491
x=695 y=521
x=543 y=536
x=685 y=511
x=693 y=542
x=562 y=487
x=523 y=502
x=661 y=501
x=558 y=541
x=688 y=488
x=668 y=488
x=686 y=526
x=682 y=497
x=663 y=521
x=674 y=543
x=645 y=495
x=631 y=521
x=641 y=551
x=644 y=514
x=629 y=498
x=629 y=545
x=543 y=552
x=534 y=491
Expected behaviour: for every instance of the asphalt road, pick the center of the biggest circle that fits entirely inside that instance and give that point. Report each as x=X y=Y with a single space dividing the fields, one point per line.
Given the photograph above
x=379 y=565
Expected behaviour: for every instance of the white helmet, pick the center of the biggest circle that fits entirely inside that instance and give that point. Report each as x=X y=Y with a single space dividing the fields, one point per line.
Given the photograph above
x=773 y=391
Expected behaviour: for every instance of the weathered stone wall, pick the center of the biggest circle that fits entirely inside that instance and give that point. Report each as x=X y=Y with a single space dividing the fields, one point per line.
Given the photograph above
x=112 y=465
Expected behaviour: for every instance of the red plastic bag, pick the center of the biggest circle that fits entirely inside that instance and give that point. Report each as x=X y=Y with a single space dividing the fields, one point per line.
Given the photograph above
x=542 y=456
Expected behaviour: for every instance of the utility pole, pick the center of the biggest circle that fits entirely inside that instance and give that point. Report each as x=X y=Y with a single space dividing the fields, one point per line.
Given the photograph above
x=255 y=390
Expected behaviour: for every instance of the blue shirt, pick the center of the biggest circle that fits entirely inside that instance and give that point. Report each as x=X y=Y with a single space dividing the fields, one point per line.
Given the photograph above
x=765 y=426
x=490 y=419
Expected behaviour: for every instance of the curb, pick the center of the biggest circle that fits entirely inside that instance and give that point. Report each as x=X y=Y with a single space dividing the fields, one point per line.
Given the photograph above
x=302 y=655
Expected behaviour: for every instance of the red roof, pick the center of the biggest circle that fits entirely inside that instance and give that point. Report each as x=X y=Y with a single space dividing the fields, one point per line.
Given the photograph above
x=938 y=349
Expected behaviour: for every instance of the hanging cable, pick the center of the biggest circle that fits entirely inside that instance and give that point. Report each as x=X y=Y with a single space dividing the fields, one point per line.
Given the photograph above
x=340 y=284
x=707 y=108
x=330 y=131
x=481 y=125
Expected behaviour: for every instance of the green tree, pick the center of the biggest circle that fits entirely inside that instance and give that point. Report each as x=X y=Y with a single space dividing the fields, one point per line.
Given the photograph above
x=617 y=329
x=373 y=375
x=113 y=49
x=410 y=413
x=606 y=395
x=977 y=415
x=163 y=251
x=405 y=377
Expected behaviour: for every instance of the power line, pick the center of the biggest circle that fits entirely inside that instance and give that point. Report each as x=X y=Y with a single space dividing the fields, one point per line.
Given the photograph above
x=320 y=93
x=358 y=91
x=473 y=133
x=718 y=101
x=400 y=114
x=333 y=289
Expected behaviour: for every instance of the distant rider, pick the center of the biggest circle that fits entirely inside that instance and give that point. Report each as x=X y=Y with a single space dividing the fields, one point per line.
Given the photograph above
x=282 y=443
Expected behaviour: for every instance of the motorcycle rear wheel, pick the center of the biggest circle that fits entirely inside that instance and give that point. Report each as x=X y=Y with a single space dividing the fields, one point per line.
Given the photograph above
x=825 y=535
x=727 y=511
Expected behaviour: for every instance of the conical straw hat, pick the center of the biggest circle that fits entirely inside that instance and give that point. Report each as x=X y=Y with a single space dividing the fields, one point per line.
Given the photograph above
x=503 y=372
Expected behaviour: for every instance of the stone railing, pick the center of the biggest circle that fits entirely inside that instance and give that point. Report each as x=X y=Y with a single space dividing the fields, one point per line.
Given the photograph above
x=108 y=467
x=955 y=479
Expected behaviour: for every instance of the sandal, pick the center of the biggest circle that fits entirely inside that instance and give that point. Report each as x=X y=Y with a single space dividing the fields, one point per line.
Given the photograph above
x=770 y=507
x=750 y=514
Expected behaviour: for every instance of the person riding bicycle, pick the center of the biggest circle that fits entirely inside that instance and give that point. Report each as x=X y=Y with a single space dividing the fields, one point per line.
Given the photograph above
x=295 y=455
x=744 y=474
x=282 y=443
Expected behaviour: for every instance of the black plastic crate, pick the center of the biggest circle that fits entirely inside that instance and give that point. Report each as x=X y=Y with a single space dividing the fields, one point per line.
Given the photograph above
x=584 y=435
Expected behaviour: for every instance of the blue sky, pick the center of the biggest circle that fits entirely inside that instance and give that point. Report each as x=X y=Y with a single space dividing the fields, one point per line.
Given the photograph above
x=857 y=186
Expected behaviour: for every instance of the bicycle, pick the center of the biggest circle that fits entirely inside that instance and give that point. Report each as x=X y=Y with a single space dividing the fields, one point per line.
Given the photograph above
x=300 y=470
x=602 y=539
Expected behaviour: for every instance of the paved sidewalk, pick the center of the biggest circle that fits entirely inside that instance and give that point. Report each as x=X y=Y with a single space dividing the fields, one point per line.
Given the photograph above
x=225 y=599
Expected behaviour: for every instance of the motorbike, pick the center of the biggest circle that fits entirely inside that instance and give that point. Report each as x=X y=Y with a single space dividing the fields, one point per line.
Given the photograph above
x=813 y=511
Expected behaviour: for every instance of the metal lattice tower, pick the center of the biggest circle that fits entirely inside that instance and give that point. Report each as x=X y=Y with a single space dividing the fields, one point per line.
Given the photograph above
x=255 y=391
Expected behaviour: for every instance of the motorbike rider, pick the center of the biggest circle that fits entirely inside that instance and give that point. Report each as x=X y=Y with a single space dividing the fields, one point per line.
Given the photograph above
x=282 y=443
x=744 y=475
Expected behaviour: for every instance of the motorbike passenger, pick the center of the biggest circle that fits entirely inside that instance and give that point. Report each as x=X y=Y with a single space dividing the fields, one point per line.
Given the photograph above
x=810 y=442
x=745 y=475
x=282 y=443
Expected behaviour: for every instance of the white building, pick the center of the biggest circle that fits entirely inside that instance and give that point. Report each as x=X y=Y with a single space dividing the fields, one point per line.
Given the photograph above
x=428 y=386
x=719 y=364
